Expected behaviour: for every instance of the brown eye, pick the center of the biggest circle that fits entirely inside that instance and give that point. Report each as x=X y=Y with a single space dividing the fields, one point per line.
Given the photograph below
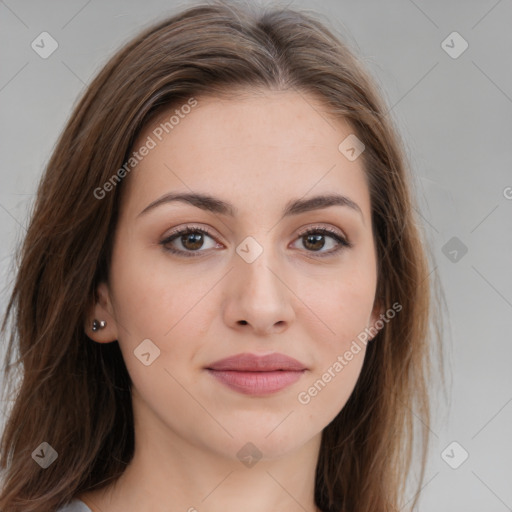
x=192 y=241
x=314 y=242
x=189 y=241
x=316 y=239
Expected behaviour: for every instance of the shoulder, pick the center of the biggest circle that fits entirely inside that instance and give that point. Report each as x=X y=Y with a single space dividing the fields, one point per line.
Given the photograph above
x=74 y=506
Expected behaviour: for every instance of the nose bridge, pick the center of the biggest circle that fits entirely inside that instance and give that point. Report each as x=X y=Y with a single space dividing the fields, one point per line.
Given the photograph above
x=257 y=266
x=258 y=295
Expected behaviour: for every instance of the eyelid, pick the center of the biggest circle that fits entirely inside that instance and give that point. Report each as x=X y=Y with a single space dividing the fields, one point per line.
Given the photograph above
x=302 y=231
x=322 y=227
x=191 y=227
x=341 y=239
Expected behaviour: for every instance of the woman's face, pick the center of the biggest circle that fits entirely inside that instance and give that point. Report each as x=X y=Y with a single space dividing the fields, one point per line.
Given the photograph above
x=254 y=284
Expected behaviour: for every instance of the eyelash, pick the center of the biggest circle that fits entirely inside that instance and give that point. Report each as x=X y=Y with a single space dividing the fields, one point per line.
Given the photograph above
x=343 y=242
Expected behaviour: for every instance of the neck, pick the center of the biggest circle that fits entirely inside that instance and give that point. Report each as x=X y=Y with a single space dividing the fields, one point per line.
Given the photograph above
x=168 y=472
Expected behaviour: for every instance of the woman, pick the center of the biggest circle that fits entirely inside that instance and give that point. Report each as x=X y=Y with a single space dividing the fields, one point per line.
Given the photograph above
x=223 y=300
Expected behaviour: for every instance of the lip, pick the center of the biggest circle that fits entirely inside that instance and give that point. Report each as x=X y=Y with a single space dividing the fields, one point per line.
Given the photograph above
x=255 y=363
x=252 y=374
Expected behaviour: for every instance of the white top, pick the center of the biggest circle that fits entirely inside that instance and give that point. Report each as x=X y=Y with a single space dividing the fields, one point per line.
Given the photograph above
x=75 y=506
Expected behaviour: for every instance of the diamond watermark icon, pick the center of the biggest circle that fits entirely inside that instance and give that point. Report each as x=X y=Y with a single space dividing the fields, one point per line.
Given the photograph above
x=351 y=147
x=44 y=45
x=454 y=45
x=146 y=352
x=44 y=455
x=249 y=249
x=454 y=249
x=249 y=455
x=454 y=455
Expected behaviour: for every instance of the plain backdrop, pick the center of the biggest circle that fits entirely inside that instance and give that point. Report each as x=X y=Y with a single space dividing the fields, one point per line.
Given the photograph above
x=451 y=97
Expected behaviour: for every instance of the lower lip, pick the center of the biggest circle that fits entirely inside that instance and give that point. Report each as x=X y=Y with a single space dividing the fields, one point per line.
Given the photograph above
x=257 y=383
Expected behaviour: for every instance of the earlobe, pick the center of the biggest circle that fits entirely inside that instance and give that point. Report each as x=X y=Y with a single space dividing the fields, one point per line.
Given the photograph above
x=100 y=324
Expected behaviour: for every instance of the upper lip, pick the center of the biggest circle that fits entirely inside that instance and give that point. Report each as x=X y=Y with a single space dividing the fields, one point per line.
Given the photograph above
x=255 y=363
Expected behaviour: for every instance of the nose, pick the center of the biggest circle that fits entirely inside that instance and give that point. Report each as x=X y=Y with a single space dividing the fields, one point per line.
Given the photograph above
x=258 y=298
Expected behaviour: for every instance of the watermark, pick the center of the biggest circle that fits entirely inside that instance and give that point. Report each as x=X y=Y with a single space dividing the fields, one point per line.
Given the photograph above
x=249 y=249
x=44 y=45
x=304 y=397
x=146 y=352
x=44 y=455
x=351 y=147
x=249 y=455
x=454 y=455
x=454 y=249
x=454 y=45
x=150 y=143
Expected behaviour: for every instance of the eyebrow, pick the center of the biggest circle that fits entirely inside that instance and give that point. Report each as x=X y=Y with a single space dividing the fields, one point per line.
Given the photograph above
x=294 y=207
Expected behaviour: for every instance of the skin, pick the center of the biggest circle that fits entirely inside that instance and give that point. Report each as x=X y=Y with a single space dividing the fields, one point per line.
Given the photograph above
x=256 y=151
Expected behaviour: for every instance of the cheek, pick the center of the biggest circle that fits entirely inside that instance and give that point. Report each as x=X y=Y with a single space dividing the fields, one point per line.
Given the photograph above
x=343 y=306
x=350 y=313
x=154 y=302
x=326 y=393
x=152 y=296
x=171 y=308
x=339 y=305
x=339 y=354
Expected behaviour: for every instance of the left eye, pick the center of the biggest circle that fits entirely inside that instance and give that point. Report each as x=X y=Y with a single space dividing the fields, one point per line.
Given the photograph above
x=314 y=240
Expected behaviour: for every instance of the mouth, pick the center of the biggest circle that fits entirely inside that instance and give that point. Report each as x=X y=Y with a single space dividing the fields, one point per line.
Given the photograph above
x=251 y=374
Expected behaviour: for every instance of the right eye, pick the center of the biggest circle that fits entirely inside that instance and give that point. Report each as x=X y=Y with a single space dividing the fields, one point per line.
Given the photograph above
x=191 y=239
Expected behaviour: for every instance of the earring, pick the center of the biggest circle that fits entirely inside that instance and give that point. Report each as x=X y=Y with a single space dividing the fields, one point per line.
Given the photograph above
x=98 y=325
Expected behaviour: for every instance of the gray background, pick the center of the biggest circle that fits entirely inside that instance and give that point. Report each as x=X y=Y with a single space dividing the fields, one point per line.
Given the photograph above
x=455 y=116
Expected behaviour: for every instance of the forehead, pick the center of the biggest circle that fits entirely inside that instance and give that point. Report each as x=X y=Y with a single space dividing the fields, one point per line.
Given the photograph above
x=259 y=145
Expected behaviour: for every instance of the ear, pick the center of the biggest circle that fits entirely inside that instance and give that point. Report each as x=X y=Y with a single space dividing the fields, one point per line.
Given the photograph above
x=102 y=310
x=376 y=314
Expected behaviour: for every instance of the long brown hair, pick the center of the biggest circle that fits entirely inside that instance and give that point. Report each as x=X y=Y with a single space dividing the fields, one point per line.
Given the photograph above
x=75 y=394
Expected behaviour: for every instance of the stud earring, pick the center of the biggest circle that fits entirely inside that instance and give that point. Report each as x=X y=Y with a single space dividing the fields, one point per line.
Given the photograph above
x=98 y=325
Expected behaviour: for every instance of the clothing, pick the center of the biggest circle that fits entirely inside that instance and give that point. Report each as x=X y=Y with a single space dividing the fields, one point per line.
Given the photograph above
x=75 y=506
